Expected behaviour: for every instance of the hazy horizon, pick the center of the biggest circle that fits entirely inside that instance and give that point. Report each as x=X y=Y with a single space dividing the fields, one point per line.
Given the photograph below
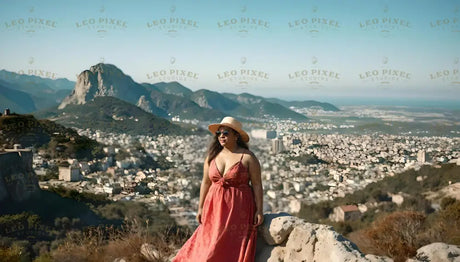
x=382 y=50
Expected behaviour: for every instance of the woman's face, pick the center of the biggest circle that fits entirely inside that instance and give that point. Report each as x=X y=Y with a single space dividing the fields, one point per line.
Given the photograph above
x=226 y=136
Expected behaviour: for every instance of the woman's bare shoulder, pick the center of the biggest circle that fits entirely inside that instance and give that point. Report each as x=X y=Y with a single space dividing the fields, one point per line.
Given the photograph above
x=250 y=155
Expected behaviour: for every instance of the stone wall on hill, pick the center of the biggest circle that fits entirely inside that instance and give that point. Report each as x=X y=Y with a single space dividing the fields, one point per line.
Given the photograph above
x=17 y=178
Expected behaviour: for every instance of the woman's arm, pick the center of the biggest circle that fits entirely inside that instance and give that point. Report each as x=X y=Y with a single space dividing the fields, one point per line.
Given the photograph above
x=256 y=181
x=205 y=184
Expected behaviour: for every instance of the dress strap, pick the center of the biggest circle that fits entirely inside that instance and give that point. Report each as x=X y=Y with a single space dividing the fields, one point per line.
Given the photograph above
x=241 y=156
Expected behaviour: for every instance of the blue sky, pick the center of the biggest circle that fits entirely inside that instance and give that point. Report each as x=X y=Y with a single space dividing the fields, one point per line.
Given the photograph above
x=289 y=49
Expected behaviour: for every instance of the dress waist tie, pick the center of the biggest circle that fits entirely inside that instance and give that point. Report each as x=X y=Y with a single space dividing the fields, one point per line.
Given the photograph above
x=226 y=184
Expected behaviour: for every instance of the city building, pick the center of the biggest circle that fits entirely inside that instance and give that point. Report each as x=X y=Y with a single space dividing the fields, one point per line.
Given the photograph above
x=277 y=145
x=263 y=133
x=422 y=156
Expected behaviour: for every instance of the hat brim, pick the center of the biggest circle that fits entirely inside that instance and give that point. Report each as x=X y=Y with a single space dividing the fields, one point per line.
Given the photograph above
x=214 y=127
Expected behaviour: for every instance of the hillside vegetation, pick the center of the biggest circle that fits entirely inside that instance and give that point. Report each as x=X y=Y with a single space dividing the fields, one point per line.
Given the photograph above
x=110 y=114
x=56 y=140
x=49 y=222
x=398 y=230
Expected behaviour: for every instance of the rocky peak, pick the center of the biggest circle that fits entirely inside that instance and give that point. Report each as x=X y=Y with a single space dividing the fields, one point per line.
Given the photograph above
x=104 y=80
x=106 y=69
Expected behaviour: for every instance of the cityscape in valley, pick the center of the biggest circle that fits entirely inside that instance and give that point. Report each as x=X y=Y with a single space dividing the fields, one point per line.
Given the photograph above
x=325 y=153
x=296 y=169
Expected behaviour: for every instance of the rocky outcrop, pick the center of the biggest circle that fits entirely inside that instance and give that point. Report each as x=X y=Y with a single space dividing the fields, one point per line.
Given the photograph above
x=283 y=237
x=144 y=104
x=287 y=238
x=18 y=180
x=104 y=80
x=437 y=252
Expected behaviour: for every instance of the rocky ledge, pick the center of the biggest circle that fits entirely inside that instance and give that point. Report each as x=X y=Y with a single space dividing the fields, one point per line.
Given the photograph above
x=287 y=238
x=283 y=237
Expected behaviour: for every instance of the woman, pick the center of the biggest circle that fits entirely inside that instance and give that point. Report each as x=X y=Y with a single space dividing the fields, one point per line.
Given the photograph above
x=229 y=209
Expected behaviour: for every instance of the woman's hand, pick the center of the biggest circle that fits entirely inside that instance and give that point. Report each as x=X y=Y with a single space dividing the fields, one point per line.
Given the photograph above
x=198 y=215
x=258 y=219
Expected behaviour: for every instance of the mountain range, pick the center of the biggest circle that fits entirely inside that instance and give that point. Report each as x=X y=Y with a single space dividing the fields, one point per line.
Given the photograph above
x=51 y=98
x=28 y=93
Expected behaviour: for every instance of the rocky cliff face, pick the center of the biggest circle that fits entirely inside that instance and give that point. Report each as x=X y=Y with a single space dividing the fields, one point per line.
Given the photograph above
x=144 y=104
x=104 y=80
x=18 y=180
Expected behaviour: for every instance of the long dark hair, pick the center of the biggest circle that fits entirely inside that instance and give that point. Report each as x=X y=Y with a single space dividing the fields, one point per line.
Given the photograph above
x=215 y=147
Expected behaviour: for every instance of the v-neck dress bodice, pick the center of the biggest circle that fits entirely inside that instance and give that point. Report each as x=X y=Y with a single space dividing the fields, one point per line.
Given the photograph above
x=226 y=232
x=236 y=176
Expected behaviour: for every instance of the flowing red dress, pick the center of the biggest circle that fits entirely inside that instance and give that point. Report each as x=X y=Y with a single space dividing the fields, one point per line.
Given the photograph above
x=226 y=232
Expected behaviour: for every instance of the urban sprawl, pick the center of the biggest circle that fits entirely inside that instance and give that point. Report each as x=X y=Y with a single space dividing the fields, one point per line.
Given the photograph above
x=296 y=167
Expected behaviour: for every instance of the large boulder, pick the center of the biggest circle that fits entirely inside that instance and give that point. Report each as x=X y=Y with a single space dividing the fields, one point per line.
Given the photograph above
x=286 y=238
x=437 y=252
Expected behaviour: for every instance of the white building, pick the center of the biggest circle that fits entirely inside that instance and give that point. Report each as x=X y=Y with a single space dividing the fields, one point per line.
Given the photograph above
x=421 y=156
x=263 y=133
x=277 y=145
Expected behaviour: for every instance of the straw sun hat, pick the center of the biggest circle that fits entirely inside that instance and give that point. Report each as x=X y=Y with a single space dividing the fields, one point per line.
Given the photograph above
x=231 y=122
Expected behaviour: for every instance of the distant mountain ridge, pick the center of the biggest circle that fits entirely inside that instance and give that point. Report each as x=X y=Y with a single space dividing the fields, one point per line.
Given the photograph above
x=168 y=99
x=174 y=88
x=43 y=92
x=304 y=104
x=108 y=80
x=162 y=99
x=22 y=102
